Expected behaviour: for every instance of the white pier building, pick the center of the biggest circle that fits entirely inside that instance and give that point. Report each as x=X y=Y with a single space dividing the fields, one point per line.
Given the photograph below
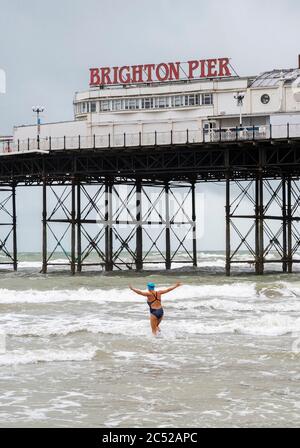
x=204 y=106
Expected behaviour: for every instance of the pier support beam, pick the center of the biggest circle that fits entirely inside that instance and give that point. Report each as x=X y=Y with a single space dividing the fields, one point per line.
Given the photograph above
x=264 y=234
x=73 y=226
x=169 y=223
x=14 y=217
x=194 y=233
x=79 y=229
x=168 y=226
x=139 y=228
x=108 y=227
x=8 y=226
x=289 y=226
x=284 y=225
x=259 y=226
x=227 y=217
x=102 y=223
x=44 y=228
x=59 y=223
x=90 y=222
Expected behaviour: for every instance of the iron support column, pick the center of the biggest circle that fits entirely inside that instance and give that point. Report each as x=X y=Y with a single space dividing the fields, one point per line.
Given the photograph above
x=73 y=227
x=168 y=232
x=79 y=249
x=284 y=225
x=259 y=226
x=194 y=225
x=15 y=255
x=289 y=226
x=227 y=211
x=256 y=226
x=139 y=229
x=108 y=227
x=44 y=218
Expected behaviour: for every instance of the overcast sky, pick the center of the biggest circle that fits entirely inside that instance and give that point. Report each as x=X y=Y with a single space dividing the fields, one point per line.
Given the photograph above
x=47 y=47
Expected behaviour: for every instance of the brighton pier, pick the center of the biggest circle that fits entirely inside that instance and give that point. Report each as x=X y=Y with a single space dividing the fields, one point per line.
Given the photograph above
x=167 y=135
x=171 y=71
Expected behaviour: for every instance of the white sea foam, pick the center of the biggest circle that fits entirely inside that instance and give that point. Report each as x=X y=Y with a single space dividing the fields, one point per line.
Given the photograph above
x=208 y=260
x=30 y=264
x=273 y=324
x=65 y=325
x=241 y=307
x=16 y=357
x=237 y=306
x=232 y=291
x=8 y=296
x=266 y=325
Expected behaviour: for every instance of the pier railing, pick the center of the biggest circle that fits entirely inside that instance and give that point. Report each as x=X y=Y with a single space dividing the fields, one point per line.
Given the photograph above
x=204 y=136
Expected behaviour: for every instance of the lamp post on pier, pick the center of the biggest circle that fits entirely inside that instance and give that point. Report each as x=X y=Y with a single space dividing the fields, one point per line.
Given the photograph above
x=38 y=110
x=240 y=98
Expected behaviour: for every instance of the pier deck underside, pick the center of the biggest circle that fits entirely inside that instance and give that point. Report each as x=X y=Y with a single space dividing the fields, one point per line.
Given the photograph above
x=100 y=206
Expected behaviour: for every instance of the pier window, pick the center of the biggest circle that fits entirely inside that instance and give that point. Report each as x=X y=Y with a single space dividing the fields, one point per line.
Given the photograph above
x=177 y=101
x=191 y=100
x=147 y=103
x=162 y=102
x=104 y=105
x=93 y=107
x=117 y=105
x=207 y=99
x=131 y=104
x=151 y=102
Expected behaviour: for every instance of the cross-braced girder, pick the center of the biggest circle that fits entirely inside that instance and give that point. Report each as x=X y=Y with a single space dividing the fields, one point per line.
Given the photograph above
x=169 y=222
x=90 y=225
x=8 y=223
x=271 y=234
x=117 y=225
x=58 y=224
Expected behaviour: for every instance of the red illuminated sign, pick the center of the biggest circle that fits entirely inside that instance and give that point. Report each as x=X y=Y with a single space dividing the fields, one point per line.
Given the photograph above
x=165 y=71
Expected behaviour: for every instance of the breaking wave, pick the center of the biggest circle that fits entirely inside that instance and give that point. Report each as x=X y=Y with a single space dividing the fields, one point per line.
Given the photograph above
x=17 y=357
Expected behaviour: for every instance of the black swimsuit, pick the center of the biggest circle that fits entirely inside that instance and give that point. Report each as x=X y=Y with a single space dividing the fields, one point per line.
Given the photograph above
x=159 y=312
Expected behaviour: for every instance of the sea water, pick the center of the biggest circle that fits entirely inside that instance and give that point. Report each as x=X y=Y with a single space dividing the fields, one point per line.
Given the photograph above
x=79 y=351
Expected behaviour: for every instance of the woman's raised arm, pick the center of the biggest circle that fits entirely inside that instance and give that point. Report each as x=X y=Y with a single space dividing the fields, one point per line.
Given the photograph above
x=138 y=291
x=171 y=288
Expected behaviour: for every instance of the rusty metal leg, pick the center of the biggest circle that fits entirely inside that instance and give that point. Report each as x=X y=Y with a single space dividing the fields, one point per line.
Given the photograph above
x=79 y=248
x=194 y=226
x=284 y=225
x=139 y=229
x=108 y=227
x=259 y=226
x=73 y=227
x=8 y=225
x=168 y=224
x=289 y=226
x=44 y=218
x=14 y=213
x=227 y=211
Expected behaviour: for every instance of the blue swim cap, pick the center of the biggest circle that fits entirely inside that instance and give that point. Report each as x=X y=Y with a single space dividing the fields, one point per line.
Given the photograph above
x=151 y=286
